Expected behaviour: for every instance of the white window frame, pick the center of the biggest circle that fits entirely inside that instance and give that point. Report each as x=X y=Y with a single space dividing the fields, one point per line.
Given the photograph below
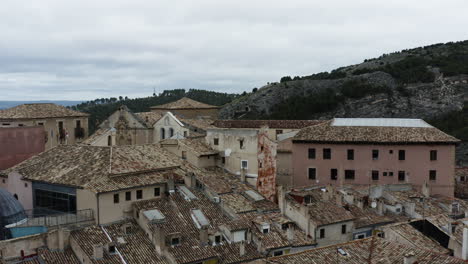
x=246 y=167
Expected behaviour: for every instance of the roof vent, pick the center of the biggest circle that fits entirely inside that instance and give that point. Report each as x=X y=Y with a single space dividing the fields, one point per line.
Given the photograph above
x=254 y=195
x=188 y=195
x=155 y=216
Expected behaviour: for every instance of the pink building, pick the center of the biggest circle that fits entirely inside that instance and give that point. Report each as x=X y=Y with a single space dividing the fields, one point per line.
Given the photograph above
x=369 y=151
x=20 y=143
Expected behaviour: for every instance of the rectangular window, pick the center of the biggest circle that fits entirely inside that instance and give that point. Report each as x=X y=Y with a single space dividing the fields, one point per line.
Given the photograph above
x=216 y=141
x=322 y=233
x=278 y=253
x=390 y=173
x=433 y=155
x=375 y=175
x=385 y=173
x=334 y=174
x=40 y=124
x=350 y=154
x=349 y=174
x=343 y=229
x=217 y=239
x=241 y=144
x=244 y=164
x=128 y=196
x=312 y=173
x=139 y=194
x=375 y=154
x=116 y=198
x=78 y=123
x=311 y=153
x=223 y=160
x=327 y=153
x=432 y=175
x=175 y=241
x=401 y=154
x=157 y=191
x=401 y=175
x=184 y=155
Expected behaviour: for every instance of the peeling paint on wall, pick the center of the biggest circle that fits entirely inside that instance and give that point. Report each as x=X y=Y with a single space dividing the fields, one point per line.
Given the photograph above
x=266 y=181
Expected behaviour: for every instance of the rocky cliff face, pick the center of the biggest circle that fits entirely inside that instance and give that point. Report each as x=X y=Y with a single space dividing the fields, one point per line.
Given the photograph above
x=423 y=100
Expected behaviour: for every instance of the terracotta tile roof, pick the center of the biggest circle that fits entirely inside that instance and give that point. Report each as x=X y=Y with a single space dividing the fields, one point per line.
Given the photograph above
x=197 y=145
x=149 y=118
x=87 y=237
x=202 y=124
x=433 y=205
x=273 y=124
x=217 y=180
x=367 y=217
x=57 y=256
x=35 y=111
x=322 y=212
x=416 y=238
x=177 y=212
x=327 y=133
x=184 y=103
x=95 y=136
x=137 y=247
x=357 y=252
x=100 y=169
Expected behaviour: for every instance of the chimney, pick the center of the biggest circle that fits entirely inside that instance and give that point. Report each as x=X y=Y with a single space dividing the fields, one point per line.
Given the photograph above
x=325 y=195
x=61 y=238
x=204 y=236
x=290 y=233
x=243 y=176
x=426 y=190
x=98 y=251
x=380 y=207
x=159 y=240
x=409 y=258
x=339 y=200
x=242 y=248
x=449 y=228
x=465 y=244
x=360 y=203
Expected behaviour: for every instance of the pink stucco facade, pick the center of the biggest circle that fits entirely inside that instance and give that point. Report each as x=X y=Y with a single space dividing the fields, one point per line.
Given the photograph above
x=20 y=143
x=416 y=165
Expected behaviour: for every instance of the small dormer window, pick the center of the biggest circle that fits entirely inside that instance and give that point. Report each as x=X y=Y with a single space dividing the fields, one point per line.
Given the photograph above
x=307 y=199
x=266 y=230
x=112 y=249
x=265 y=227
x=175 y=241
x=217 y=239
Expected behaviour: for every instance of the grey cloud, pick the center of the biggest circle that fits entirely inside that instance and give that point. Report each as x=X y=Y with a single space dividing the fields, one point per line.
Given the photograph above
x=54 y=49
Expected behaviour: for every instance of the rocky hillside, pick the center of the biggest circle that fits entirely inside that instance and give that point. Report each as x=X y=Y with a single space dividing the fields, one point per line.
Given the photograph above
x=429 y=82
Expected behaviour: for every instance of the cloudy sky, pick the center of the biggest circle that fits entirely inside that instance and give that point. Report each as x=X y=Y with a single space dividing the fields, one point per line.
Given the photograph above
x=86 y=49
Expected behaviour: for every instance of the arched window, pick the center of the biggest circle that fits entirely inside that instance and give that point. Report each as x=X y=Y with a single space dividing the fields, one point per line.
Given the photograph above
x=166 y=121
x=109 y=140
x=163 y=133
x=171 y=132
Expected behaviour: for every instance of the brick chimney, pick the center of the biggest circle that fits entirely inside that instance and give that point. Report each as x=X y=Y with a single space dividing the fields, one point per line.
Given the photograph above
x=426 y=190
x=243 y=175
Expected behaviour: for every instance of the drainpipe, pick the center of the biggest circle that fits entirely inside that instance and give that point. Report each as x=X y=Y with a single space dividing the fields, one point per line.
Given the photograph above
x=97 y=207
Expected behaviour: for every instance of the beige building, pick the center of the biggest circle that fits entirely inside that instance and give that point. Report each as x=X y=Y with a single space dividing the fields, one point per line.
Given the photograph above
x=250 y=147
x=105 y=179
x=188 y=109
x=124 y=127
x=62 y=125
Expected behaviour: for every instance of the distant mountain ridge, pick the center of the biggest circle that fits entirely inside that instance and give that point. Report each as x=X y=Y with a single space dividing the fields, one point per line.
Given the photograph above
x=8 y=104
